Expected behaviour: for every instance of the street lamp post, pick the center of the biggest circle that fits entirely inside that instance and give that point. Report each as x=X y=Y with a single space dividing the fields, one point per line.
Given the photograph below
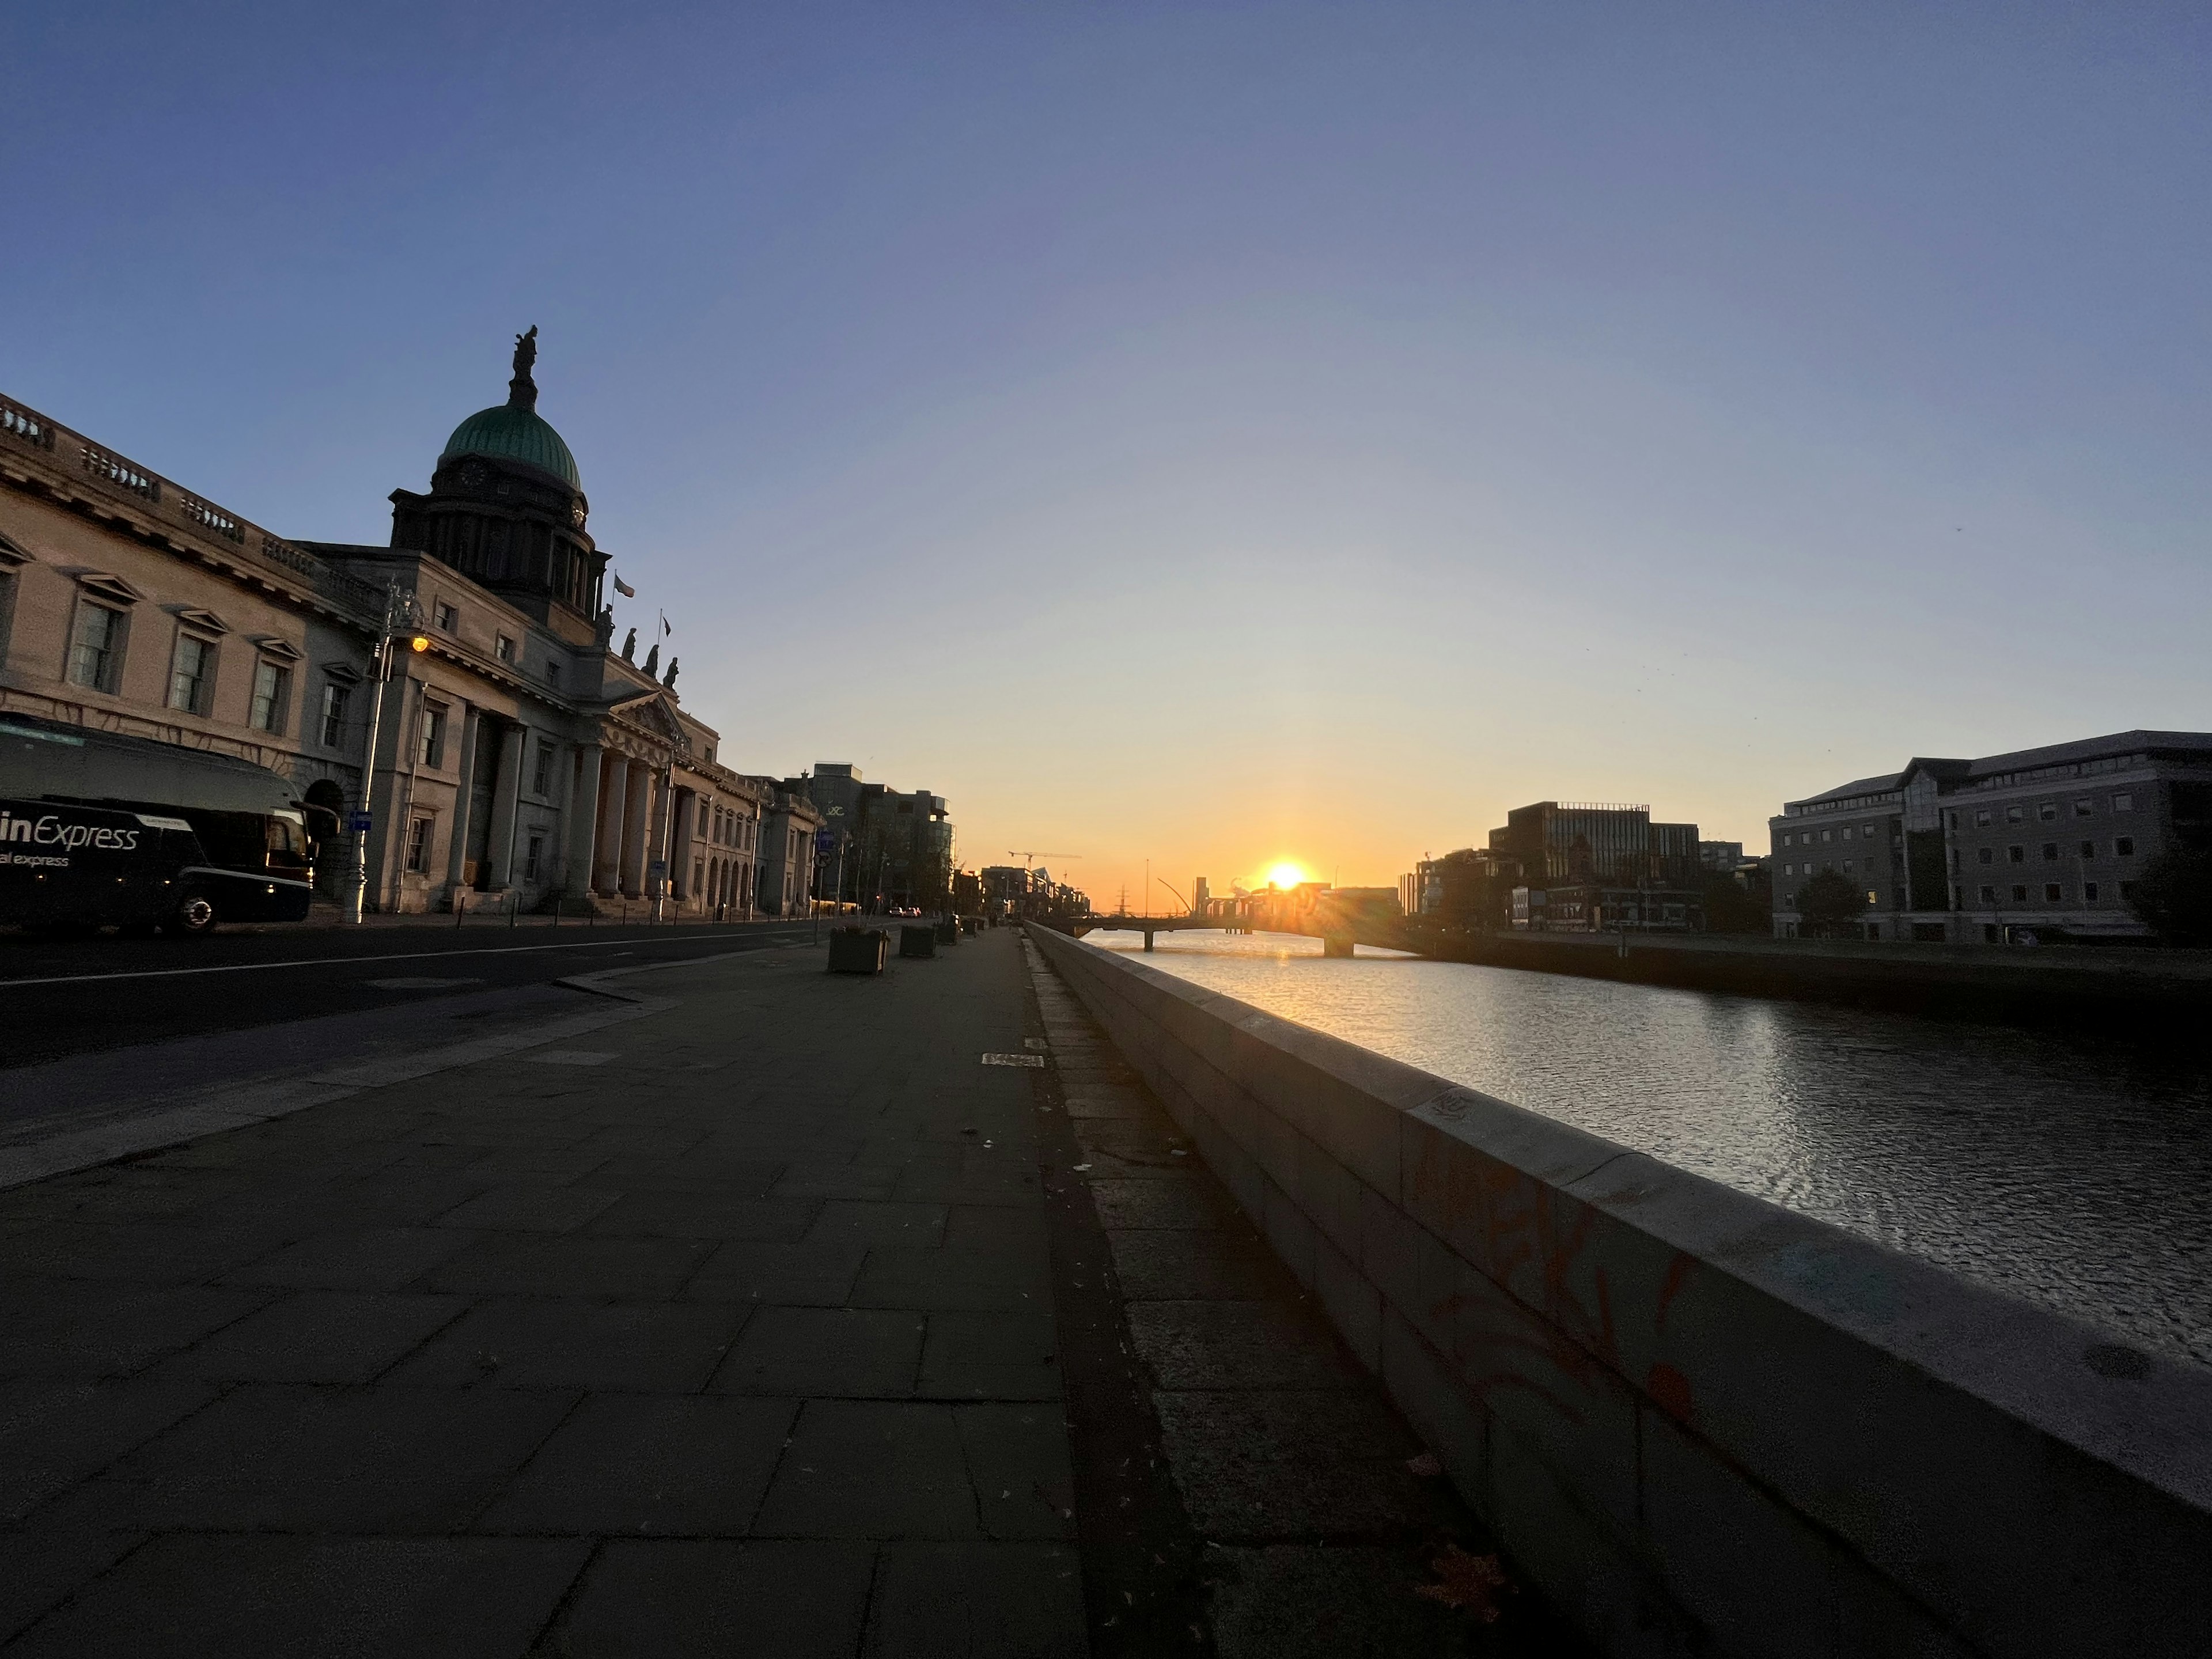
x=398 y=612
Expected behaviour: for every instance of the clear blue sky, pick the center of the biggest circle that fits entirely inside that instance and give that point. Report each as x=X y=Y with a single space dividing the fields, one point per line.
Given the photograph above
x=1209 y=433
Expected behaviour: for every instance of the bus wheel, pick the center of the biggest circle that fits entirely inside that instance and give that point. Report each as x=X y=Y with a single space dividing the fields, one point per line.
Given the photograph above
x=195 y=916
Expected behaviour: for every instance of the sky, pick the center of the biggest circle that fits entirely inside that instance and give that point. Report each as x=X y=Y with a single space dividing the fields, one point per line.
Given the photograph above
x=1209 y=434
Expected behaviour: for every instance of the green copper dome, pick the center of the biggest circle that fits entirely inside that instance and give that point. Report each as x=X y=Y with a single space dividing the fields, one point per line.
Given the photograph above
x=510 y=432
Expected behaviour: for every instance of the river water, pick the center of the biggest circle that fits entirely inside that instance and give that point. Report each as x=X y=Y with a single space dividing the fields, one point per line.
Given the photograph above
x=2069 y=1169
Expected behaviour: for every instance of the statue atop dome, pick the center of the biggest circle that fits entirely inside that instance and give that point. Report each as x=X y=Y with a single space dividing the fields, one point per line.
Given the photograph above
x=522 y=391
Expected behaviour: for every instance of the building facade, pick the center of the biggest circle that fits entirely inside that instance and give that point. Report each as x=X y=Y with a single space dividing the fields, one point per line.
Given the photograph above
x=886 y=848
x=519 y=758
x=2043 y=842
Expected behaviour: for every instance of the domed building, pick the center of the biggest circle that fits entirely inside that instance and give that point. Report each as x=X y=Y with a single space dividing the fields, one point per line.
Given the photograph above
x=520 y=760
x=507 y=508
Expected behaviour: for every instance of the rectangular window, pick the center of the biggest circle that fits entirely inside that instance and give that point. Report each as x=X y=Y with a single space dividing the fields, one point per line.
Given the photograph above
x=2089 y=892
x=503 y=647
x=448 y=618
x=272 y=697
x=1847 y=832
x=1847 y=866
x=432 y=753
x=534 y=857
x=418 y=845
x=2051 y=852
x=553 y=674
x=192 y=674
x=2016 y=814
x=2053 y=893
x=2020 y=895
x=541 y=778
x=1981 y=818
x=2047 y=811
x=2082 y=809
x=1985 y=854
x=1827 y=835
x=1989 y=896
x=1872 y=898
x=2017 y=854
x=2088 y=849
x=2124 y=847
x=2123 y=803
x=335 y=698
x=96 y=647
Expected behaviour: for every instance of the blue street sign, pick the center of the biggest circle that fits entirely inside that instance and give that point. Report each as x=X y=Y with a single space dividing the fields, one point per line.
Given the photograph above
x=358 y=823
x=825 y=839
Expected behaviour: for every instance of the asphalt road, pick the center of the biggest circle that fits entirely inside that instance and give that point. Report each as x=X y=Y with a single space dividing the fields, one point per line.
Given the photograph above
x=82 y=996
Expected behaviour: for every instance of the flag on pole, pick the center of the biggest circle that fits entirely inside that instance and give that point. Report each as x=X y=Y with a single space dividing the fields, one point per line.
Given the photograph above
x=624 y=589
x=665 y=630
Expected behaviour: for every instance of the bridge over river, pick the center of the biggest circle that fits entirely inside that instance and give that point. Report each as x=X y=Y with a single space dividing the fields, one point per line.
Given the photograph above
x=1338 y=934
x=2101 y=986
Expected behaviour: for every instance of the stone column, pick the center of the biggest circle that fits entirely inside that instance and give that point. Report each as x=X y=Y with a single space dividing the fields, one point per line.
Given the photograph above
x=607 y=864
x=456 y=833
x=637 y=830
x=579 y=823
x=386 y=786
x=686 y=808
x=506 y=789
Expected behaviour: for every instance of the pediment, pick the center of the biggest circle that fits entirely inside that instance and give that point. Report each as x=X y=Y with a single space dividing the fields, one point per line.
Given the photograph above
x=11 y=555
x=107 y=585
x=653 y=715
x=276 y=649
x=192 y=616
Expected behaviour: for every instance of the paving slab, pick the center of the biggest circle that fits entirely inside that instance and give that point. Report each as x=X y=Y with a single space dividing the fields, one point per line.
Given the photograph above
x=665 y=1597
x=790 y=1330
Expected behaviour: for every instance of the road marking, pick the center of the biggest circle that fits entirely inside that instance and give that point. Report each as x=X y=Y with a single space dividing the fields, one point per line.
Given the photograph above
x=326 y=962
x=572 y=1057
x=1037 y=1060
x=420 y=982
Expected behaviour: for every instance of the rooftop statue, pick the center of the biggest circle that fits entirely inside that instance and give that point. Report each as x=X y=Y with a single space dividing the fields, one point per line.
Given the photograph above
x=671 y=681
x=522 y=391
x=605 y=627
x=629 y=645
x=652 y=660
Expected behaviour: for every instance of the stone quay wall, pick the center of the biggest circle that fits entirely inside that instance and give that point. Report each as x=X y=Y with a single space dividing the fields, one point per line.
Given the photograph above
x=1700 y=1424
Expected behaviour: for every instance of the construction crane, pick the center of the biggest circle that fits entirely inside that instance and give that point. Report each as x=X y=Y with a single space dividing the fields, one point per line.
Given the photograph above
x=1028 y=859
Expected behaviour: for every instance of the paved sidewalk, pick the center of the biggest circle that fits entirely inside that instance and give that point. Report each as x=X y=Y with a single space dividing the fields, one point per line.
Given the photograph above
x=728 y=1329
x=1307 y=1514
x=739 y=1326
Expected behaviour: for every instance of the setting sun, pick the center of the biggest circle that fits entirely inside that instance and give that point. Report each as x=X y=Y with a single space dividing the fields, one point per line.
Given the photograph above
x=1286 y=875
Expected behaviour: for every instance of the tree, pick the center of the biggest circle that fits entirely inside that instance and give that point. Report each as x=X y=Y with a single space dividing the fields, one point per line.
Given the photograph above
x=1733 y=907
x=2173 y=896
x=1829 y=907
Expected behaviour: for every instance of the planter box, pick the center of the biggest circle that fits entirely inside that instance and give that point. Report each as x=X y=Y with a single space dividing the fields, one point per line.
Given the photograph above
x=948 y=931
x=853 y=951
x=918 y=941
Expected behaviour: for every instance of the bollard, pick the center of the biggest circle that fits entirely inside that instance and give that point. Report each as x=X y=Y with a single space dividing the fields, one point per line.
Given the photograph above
x=514 y=908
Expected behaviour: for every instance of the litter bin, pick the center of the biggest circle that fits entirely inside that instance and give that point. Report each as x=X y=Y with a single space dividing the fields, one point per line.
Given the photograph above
x=948 y=931
x=918 y=941
x=858 y=950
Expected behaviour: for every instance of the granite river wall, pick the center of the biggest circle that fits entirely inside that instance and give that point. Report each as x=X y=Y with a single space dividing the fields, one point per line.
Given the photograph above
x=1700 y=1423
